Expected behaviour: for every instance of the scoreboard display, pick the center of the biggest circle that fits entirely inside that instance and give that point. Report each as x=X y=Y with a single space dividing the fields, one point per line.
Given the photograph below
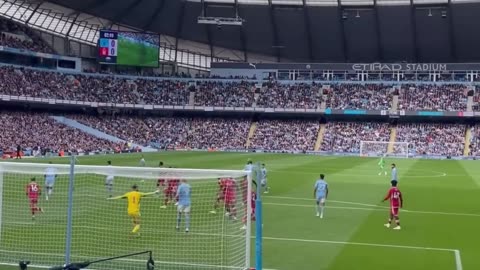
x=128 y=48
x=108 y=47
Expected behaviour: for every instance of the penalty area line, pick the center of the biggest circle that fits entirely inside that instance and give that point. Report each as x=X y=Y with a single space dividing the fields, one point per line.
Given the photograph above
x=374 y=207
x=334 y=201
x=458 y=260
x=456 y=252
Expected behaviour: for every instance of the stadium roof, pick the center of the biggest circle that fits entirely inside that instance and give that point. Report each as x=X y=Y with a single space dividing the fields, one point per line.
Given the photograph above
x=310 y=30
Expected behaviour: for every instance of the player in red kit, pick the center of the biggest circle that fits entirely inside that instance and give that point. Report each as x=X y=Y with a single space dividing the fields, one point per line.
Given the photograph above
x=33 y=192
x=170 y=191
x=230 y=198
x=220 y=194
x=396 y=202
x=160 y=184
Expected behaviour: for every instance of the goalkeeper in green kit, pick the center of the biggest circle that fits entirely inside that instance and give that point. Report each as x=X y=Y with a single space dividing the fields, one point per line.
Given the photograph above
x=381 y=163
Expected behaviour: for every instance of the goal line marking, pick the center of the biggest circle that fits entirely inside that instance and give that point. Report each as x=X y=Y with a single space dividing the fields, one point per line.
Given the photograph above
x=123 y=259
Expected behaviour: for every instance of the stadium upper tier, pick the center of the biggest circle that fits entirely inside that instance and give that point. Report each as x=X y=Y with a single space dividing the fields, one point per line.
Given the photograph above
x=225 y=93
x=18 y=36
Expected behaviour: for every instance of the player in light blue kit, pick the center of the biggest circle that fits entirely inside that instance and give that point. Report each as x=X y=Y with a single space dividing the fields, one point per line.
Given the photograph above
x=394 y=172
x=50 y=176
x=320 y=193
x=249 y=166
x=184 y=203
x=264 y=181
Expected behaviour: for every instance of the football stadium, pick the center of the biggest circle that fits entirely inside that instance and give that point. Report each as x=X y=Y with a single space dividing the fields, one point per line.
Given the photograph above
x=239 y=134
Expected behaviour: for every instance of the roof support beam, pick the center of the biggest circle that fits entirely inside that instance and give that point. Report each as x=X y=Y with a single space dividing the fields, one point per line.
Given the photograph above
x=208 y=30
x=34 y=11
x=451 y=32
x=378 y=31
x=158 y=10
x=413 y=22
x=342 y=28
x=276 y=46
x=178 y=31
x=243 y=36
x=71 y=25
x=308 y=29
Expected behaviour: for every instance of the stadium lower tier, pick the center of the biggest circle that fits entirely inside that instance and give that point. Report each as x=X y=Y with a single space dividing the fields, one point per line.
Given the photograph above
x=40 y=132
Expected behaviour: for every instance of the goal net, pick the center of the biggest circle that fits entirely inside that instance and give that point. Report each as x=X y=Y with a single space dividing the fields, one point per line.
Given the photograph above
x=101 y=228
x=376 y=149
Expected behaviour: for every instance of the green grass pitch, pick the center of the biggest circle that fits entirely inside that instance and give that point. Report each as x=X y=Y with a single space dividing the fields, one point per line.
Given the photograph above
x=441 y=215
x=136 y=54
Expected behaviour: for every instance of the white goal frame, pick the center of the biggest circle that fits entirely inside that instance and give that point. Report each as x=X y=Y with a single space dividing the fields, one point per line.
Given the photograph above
x=405 y=153
x=143 y=173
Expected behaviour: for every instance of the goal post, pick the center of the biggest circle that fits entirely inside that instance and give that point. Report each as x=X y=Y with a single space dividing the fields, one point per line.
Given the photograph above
x=102 y=228
x=377 y=149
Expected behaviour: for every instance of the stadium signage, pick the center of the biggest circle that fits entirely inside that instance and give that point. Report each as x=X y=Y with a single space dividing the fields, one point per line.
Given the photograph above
x=399 y=67
x=355 y=67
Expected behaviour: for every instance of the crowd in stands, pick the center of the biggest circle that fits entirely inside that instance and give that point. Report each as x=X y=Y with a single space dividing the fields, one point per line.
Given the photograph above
x=20 y=37
x=225 y=94
x=217 y=133
x=168 y=132
x=475 y=141
x=38 y=131
x=137 y=90
x=141 y=130
x=360 y=96
x=299 y=96
x=290 y=135
x=447 y=97
x=33 y=83
x=433 y=139
x=345 y=137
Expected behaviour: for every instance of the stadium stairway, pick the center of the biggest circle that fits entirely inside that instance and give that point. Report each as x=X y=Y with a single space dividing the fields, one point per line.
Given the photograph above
x=468 y=137
x=253 y=128
x=191 y=99
x=319 y=141
x=470 y=102
x=393 y=138
x=323 y=104
x=95 y=132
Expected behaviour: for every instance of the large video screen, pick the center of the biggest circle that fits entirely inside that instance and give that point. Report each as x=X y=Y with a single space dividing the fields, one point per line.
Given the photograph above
x=128 y=48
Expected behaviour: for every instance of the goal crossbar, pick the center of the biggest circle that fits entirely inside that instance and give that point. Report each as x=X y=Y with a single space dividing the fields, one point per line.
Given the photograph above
x=131 y=172
x=379 y=148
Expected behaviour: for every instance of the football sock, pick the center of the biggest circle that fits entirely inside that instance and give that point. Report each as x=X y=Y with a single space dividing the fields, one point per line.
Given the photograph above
x=179 y=219
x=187 y=221
x=136 y=228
